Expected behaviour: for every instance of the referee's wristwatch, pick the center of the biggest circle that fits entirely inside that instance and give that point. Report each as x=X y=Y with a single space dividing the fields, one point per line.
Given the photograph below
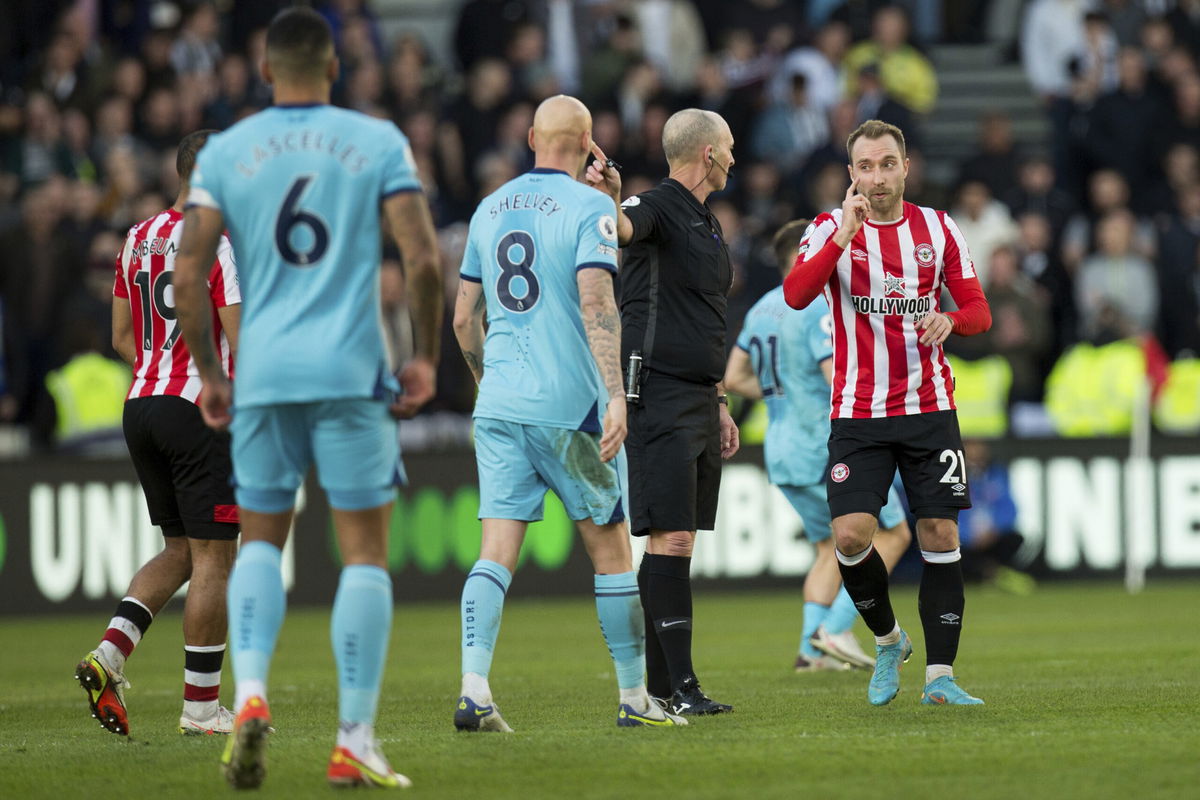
x=723 y=399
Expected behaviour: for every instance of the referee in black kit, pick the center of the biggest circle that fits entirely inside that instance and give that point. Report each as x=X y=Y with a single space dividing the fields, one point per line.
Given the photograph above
x=674 y=280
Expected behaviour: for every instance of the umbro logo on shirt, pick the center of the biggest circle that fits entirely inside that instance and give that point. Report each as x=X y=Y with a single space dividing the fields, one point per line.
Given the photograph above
x=858 y=255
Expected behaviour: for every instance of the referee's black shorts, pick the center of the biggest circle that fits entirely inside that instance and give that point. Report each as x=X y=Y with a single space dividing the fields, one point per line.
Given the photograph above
x=864 y=455
x=674 y=451
x=184 y=467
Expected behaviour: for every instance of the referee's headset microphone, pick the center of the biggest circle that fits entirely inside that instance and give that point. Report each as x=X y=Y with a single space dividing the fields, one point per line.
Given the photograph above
x=712 y=162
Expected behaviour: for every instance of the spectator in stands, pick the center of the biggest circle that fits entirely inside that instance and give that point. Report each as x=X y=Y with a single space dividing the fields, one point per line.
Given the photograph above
x=62 y=75
x=159 y=127
x=1123 y=126
x=40 y=152
x=985 y=222
x=743 y=64
x=874 y=102
x=469 y=125
x=996 y=162
x=672 y=39
x=413 y=79
x=1020 y=332
x=526 y=54
x=906 y=73
x=787 y=133
x=233 y=93
x=114 y=128
x=1117 y=289
x=1055 y=48
x=1126 y=18
x=819 y=63
x=1183 y=125
x=1107 y=192
x=610 y=60
x=1037 y=193
x=356 y=30
x=1179 y=276
x=1157 y=40
x=1039 y=261
x=197 y=51
x=843 y=119
x=485 y=28
x=1184 y=19
x=1180 y=169
x=39 y=270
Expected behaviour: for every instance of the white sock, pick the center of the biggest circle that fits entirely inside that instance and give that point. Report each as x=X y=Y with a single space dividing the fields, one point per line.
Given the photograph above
x=890 y=638
x=357 y=737
x=637 y=698
x=246 y=689
x=476 y=687
x=200 y=709
x=935 y=671
x=112 y=656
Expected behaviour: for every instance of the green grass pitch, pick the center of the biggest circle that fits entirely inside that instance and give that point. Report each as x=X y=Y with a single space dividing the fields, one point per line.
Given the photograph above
x=1090 y=693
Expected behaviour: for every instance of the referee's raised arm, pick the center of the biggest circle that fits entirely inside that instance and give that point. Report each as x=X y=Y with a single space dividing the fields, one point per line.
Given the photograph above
x=604 y=175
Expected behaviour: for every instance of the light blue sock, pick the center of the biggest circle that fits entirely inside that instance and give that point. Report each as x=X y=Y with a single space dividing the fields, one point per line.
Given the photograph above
x=361 y=623
x=256 y=604
x=842 y=614
x=623 y=625
x=814 y=615
x=482 y=605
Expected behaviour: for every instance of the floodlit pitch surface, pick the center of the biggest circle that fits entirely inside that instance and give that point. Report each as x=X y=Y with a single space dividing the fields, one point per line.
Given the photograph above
x=1090 y=693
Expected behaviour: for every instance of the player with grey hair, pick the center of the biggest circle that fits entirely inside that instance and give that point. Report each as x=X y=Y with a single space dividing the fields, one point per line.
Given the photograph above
x=676 y=276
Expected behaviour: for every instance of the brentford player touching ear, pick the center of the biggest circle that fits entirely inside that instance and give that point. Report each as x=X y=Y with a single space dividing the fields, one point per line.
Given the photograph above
x=882 y=264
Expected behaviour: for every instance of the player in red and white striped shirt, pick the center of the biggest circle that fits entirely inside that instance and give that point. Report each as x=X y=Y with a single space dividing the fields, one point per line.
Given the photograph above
x=162 y=364
x=883 y=264
x=183 y=465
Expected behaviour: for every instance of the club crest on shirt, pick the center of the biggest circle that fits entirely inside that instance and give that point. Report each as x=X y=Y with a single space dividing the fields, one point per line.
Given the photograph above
x=925 y=255
x=839 y=473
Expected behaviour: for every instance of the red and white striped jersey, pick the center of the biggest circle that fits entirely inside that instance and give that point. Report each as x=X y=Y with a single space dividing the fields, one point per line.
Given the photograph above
x=144 y=267
x=891 y=276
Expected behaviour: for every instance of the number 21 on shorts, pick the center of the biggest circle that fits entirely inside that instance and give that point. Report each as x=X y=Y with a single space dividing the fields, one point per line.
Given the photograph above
x=956 y=471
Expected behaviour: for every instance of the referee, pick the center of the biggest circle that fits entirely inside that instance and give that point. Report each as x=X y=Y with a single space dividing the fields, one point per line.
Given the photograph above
x=675 y=278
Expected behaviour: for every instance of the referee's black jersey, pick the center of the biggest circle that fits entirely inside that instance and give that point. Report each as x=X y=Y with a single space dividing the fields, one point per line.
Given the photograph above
x=674 y=281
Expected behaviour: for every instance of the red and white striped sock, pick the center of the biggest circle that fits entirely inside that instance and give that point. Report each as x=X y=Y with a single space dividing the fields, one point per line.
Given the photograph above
x=127 y=627
x=202 y=680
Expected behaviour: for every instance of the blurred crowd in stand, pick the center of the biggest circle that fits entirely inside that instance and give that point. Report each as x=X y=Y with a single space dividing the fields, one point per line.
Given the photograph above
x=1091 y=235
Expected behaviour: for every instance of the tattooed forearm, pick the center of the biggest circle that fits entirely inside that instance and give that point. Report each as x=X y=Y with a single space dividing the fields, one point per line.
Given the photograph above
x=468 y=325
x=474 y=363
x=602 y=324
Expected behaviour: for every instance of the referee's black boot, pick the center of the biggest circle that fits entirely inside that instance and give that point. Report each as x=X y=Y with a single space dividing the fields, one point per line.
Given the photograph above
x=690 y=700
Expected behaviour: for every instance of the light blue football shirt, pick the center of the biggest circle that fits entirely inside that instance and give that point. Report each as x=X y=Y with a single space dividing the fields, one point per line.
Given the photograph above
x=786 y=348
x=300 y=189
x=527 y=241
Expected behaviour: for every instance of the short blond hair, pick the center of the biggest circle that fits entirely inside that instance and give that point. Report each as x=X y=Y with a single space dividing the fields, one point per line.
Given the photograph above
x=875 y=129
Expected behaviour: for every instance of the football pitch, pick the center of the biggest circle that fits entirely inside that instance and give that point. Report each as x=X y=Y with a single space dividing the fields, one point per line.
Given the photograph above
x=1090 y=693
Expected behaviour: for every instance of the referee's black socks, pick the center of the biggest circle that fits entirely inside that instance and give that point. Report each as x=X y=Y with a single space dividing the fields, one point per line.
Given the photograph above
x=866 y=580
x=941 y=602
x=666 y=587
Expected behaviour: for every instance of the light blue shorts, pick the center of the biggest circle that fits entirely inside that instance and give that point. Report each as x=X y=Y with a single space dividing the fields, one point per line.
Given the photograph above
x=812 y=505
x=518 y=463
x=353 y=443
